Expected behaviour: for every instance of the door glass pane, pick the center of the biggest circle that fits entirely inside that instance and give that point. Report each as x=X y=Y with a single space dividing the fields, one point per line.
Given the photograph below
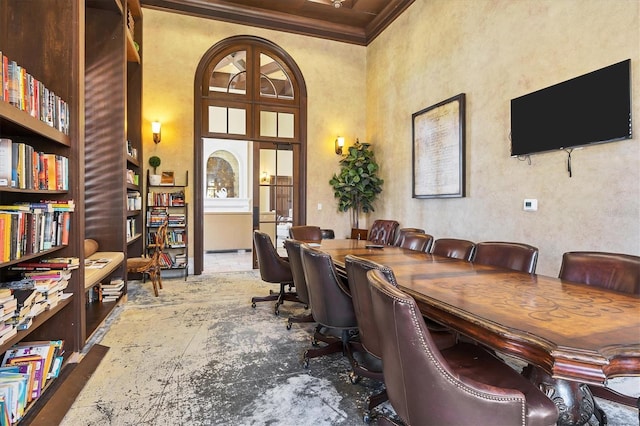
x=274 y=81
x=227 y=120
x=237 y=121
x=285 y=125
x=229 y=75
x=276 y=192
x=268 y=124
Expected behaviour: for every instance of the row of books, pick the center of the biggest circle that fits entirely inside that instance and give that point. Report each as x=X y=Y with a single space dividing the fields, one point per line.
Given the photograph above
x=157 y=216
x=134 y=200
x=131 y=228
x=168 y=260
x=28 y=228
x=21 y=166
x=27 y=93
x=176 y=238
x=25 y=371
x=171 y=199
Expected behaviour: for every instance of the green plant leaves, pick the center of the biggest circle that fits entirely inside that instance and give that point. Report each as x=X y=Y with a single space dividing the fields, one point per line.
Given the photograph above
x=357 y=185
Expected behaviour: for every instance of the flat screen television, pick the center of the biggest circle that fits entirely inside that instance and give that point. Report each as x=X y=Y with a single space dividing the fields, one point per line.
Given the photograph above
x=589 y=109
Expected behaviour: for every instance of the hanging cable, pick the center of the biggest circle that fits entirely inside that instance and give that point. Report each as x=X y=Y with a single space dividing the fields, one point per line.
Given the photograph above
x=569 y=151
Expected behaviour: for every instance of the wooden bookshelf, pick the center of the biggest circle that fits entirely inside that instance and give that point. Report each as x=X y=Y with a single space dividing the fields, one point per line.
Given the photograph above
x=113 y=84
x=55 y=60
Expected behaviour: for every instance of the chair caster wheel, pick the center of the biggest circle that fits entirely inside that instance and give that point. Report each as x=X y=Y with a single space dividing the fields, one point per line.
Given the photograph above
x=288 y=326
x=253 y=305
x=315 y=343
x=305 y=360
x=366 y=418
x=353 y=378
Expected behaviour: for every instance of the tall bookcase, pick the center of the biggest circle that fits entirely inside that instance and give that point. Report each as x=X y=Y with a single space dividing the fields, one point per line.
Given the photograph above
x=113 y=141
x=55 y=60
x=166 y=202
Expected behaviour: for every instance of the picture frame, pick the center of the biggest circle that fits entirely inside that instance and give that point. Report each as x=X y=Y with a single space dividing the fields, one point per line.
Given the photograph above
x=167 y=178
x=438 y=151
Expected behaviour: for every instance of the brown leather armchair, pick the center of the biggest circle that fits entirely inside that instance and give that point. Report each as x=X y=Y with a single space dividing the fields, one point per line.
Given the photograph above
x=273 y=269
x=614 y=271
x=383 y=232
x=619 y=272
x=417 y=241
x=357 y=269
x=331 y=304
x=295 y=263
x=515 y=256
x=454 y=248
x=401 y=232
x=306 y=233
x=463 y=384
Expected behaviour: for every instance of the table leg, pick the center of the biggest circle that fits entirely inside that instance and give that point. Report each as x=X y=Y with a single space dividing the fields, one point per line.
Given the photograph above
x=574 y=400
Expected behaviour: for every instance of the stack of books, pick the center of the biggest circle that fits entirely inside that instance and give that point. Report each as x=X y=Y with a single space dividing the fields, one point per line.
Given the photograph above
x=112 y=291
x=26 y=369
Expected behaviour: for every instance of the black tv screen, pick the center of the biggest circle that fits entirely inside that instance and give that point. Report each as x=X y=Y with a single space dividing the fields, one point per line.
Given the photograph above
x=592 y=108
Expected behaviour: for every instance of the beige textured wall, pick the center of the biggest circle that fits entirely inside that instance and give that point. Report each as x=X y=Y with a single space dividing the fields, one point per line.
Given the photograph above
x=491 y=50
x=494 y=51
x=334 y=74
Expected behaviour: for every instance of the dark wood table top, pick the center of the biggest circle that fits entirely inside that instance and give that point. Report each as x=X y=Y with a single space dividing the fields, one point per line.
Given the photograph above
x=573 y=331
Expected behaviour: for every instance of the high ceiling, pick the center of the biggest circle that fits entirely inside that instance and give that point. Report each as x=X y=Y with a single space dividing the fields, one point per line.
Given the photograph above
x=355 y=21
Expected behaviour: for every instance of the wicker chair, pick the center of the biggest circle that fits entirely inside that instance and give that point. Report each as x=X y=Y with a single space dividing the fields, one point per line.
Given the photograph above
x=150 y=265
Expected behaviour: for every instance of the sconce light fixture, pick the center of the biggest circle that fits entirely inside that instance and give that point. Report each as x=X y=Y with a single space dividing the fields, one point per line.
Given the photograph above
x=339 y=145
x=264 y=177
x=155 y=129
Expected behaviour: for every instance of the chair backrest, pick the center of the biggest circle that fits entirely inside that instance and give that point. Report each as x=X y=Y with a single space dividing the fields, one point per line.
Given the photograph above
x=330 y=301
x=357 y=269
x=295 y=262
x=515 y=256
x=454 y=248
x=417 y=241
x=620 y=272
x=383 y=231
x=306 y=233
x=420 y=384
x=159 y=240
x=401 y=232
x=328 y=234
x=273 y=268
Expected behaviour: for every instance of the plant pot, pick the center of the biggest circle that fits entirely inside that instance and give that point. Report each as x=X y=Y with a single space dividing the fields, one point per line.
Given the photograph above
x=154 y=179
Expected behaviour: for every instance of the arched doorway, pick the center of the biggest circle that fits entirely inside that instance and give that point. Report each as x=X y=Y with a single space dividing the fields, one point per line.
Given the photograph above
x=250 y=95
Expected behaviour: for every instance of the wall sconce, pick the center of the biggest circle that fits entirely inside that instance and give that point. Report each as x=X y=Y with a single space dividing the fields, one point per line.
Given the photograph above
x=155 y=129
x=264 y=177
x=339 y=145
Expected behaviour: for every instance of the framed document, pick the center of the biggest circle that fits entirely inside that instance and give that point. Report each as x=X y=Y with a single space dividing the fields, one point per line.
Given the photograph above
x=439 y=150
x=167 y=179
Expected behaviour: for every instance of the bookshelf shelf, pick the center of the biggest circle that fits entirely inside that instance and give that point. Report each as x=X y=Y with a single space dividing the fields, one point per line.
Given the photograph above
x=166 y=203
x=15 y=122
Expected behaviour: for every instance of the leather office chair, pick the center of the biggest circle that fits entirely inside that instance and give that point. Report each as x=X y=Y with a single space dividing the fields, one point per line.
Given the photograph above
x=331 y=304
x=295 y=263
x=400 y=233
x=357 y=269
x=454 y=248
x=310 y=234
x=328 y=234
x=619 y=272
x=417 y=241
x=383 y=232
x=273 y=269
x=614 y=271
x=515 y=256
x=150 y=265
x=463 y=384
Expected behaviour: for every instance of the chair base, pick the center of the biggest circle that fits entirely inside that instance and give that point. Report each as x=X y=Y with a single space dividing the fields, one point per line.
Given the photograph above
x=299 y=319
x=279 y=297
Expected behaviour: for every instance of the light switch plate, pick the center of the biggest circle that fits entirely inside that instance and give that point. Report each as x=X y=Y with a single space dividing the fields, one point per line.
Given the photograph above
x=530 y=205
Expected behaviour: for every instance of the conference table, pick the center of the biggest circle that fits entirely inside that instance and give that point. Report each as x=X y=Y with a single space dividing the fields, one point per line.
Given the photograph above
x=573 y=332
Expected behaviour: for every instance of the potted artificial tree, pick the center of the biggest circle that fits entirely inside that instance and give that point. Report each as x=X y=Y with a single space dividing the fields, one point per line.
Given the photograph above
x=357 y=185
x=155 y=178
